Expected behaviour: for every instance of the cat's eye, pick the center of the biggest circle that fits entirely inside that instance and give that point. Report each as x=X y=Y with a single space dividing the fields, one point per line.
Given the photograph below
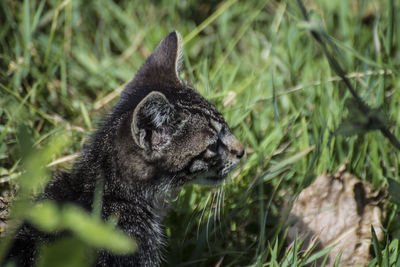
x=213 y=147
x=211 y=150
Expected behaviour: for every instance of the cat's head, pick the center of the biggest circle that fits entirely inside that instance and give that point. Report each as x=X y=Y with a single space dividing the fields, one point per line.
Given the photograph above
x=172 y=126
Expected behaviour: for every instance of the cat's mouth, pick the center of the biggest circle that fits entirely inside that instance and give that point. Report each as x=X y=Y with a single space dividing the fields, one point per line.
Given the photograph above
x=209 y=177
x=208 y=180
x=213 y=177
x=228 y=168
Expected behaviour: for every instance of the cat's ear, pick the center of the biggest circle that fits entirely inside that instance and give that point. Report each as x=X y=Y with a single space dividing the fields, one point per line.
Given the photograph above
x=151 y=121
x=163 y=65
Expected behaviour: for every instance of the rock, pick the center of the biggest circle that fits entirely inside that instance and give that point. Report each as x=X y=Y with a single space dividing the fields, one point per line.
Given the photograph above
x=339 y=209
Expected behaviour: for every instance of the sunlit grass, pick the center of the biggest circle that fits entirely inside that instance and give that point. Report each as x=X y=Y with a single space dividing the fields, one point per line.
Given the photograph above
x=64 y=63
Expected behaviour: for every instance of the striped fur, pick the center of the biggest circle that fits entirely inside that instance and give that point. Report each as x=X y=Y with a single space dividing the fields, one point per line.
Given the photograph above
x=160 y=136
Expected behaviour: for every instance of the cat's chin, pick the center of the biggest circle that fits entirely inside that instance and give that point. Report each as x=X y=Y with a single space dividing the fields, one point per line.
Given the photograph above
x=209 y=179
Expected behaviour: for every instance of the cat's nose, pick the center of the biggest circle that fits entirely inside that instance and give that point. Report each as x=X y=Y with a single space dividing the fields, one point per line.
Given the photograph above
x=237 y=148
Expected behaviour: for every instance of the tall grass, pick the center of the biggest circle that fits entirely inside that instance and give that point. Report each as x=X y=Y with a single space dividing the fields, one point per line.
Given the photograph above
x=64 y=63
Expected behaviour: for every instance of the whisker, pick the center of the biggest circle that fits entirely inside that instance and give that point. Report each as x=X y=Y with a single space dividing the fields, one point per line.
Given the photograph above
x=219 y=209
x=222 y=205
x=223 y=200
x=208 y=220
x=215 y=208
x=192 y=217
x=202 y=214
x=218 y=204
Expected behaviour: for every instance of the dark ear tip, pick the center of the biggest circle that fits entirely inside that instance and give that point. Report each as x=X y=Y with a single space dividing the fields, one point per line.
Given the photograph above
x=172 y=44
x=164 y=64
x=175 y=35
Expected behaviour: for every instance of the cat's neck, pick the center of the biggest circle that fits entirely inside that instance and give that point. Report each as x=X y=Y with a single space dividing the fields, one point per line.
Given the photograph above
x=112 y=157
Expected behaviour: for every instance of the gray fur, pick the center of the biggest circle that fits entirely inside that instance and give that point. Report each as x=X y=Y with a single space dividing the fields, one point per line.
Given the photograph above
x=160 y=136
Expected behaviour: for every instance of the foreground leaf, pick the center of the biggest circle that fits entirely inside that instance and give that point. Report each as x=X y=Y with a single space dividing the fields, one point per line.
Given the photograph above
x=65 y=253
x=95 y=232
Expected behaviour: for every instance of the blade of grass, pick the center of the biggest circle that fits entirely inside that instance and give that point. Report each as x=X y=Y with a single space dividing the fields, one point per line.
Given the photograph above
x=223 y=8
x=339 y=71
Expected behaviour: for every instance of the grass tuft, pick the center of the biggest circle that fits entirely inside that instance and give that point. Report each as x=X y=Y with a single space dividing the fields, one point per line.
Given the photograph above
x=63 y=65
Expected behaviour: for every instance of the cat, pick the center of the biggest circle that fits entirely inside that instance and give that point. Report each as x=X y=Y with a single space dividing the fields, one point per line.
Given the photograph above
x=161 y=135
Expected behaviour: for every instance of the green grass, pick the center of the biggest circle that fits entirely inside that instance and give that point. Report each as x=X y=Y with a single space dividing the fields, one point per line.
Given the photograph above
x=63 y=64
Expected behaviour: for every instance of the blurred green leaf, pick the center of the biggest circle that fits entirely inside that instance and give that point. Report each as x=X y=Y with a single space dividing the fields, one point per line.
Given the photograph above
x=25 y=141
x=95 y=232
x=45 y=215
x=66 y=252
x=35 y=177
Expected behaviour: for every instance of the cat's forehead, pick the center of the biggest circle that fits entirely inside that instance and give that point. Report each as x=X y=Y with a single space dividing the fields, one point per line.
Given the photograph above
x=189 y=99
